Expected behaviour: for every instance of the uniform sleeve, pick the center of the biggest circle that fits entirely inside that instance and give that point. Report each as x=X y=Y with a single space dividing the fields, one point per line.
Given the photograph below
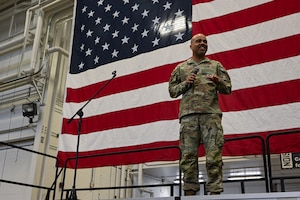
x=224 y=86
x=176 y=86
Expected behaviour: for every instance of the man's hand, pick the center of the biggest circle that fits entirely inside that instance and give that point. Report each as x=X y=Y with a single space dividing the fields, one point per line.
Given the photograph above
x=214 y=78
x=190 y=79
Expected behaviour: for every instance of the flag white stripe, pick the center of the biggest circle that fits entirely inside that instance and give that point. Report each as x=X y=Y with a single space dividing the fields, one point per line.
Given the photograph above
x=171 y=54
x=257 y=75
x=242 y=122
x=122 y=101
x=255 y=34
x=262 y=119
x=235 y=39
x=224 y=7
x=159 y=131
x=253 y=76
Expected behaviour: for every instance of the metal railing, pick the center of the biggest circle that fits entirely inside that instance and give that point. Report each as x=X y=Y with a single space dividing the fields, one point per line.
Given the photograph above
x=281 y=178
x=263 y=153
x=51 y=188
x=121 y=187
x=265 y=146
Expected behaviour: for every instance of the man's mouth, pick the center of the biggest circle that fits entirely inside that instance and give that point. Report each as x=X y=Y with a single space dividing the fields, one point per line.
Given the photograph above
x=202 y=48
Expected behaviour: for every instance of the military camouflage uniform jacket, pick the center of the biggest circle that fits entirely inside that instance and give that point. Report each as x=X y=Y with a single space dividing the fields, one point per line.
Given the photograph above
x=201 y=96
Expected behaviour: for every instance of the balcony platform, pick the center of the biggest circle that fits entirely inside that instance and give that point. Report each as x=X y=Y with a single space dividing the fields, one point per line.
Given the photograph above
x=253 y=196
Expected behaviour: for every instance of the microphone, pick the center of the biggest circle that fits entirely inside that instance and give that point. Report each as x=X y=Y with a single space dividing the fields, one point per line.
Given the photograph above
x=195 y=71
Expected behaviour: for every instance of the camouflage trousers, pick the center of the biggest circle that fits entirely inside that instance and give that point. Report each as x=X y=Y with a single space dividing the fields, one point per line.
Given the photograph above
x=206 y=129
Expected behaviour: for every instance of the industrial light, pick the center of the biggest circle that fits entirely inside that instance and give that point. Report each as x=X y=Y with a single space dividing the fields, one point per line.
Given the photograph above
x=244 y=178
x=29 y=110
x=176 y=181
x=245 y=174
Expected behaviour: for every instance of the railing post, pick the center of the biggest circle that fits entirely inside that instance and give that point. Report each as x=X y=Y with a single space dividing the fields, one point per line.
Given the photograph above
x=269 y=152
x=243 y=187
x=282 y=185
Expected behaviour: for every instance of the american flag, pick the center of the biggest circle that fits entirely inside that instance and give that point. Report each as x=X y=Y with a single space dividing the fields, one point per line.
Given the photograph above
x=257 y=41
x=108 y=31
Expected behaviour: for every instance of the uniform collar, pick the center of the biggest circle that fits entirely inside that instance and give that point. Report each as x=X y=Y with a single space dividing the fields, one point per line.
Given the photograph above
x=205 y=60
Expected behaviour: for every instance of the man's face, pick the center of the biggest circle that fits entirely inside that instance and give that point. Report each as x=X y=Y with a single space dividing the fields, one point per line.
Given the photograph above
x=199 y=45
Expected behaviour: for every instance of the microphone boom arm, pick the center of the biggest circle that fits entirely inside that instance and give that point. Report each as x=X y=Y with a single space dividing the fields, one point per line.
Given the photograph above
x=79 y=112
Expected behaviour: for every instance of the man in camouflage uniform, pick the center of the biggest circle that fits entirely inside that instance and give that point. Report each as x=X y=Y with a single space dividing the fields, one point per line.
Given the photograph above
x=199 y=80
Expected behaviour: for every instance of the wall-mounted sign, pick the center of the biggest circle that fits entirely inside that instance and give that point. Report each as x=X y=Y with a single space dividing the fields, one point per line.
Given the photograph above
x=290 y=160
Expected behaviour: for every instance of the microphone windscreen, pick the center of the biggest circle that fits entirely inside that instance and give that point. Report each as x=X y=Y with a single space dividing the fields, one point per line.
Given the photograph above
x=196 y=69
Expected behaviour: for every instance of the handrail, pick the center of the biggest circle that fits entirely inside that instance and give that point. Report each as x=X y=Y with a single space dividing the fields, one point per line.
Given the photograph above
x=29 y=150
x=282 y=178
x=265 y=151
x=171 y=185
x=136 y=151
x=116 y=153
x=268 y=151
x=263 y=154
x=23 y=184
x=57 y=174
x=31 y=185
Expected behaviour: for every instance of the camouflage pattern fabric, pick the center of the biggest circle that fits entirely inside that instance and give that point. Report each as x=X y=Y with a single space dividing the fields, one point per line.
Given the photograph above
x=200 y=118
x=202 y=96
x=206 y=129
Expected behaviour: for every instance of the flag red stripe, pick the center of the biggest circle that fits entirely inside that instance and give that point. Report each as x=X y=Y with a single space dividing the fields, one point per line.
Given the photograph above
x=247 y=17
x=267 y=95
x=124 y=156
x=260 y=53
x=245 y=146
x=249 y=56
x=122 y=84
x=134 y=116
x=194 y=2
x=261 y=96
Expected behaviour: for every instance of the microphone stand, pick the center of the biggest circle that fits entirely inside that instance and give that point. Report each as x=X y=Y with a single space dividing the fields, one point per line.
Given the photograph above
x=73 y=195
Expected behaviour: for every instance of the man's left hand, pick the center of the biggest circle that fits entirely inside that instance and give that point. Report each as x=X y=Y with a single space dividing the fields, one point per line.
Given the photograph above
x=215 y=78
